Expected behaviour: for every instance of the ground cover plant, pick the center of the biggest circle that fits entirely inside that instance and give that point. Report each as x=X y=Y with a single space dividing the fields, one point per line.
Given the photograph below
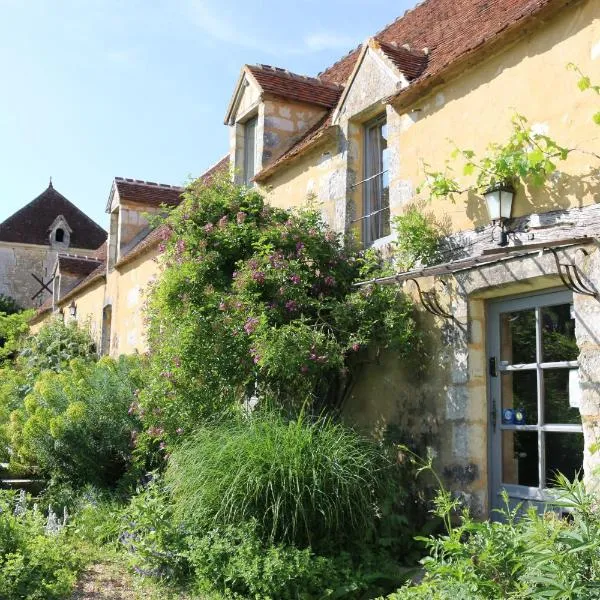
x=520 y=554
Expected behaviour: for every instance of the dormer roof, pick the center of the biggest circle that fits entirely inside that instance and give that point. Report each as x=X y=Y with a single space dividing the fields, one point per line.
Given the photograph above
x=32 y=223
x=285 y=84
x=148 y=193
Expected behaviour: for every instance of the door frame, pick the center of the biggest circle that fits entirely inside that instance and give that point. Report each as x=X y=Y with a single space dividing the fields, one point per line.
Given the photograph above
x=495 y=307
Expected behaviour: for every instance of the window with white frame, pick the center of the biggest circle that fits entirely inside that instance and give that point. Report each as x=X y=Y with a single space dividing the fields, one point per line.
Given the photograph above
x=250 y=150
x=376 y=188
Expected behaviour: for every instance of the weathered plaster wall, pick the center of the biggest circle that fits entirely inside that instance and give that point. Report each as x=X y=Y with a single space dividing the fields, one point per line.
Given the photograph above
x=127 y=289
x=475 y=108
x=284 y=122
x=19 y=261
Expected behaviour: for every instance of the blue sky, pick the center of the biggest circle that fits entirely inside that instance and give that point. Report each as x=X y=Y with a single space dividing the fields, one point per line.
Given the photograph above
x=93 y=89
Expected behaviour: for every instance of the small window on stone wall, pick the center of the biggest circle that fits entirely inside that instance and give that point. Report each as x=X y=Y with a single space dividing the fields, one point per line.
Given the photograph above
x=59 y=236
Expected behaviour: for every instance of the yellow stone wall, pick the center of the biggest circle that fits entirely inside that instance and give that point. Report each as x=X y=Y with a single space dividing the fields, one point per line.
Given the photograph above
x=474 y=108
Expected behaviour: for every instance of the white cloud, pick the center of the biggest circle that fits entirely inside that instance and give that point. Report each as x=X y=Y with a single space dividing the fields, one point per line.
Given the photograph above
x=328 y=40
x=220 y=24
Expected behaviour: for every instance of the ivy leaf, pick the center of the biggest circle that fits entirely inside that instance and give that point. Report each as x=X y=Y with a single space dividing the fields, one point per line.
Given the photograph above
x=596 y=118
x=535 y=157
x=584 y=83
x=468 y=169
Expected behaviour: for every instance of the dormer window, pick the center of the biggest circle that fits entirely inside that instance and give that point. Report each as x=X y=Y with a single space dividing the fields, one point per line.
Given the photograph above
x=60 y=233
x=376 y=196
x=250 y=128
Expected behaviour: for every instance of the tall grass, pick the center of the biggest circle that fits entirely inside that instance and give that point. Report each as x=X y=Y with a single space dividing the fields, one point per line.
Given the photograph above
x=304 y=482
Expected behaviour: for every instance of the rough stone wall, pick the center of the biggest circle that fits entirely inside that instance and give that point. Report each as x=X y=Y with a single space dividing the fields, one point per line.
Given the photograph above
x=587 y=331
x=283 y=122
x=19 y=261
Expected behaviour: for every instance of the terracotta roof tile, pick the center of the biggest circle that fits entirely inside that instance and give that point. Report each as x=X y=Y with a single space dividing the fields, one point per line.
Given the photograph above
x=425 y=42
x=31 y=224
x=410 y=64
x=148 y=192
x=296 y=87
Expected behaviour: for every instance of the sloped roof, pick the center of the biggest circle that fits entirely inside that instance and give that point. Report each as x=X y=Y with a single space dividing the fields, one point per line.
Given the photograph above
x=292 y=86
x=429 y=39
x=147 y=192
x=31 y=224
x=410 y=64
x=77 y=265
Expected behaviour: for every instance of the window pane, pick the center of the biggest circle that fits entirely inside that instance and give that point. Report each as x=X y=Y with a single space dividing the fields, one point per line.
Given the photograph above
x=564 y=454
x=519 y=393
x=517 y=341
x=558 y=334
x=249 y=150
x=557 y=407
x=520 y=458
x=376 y=190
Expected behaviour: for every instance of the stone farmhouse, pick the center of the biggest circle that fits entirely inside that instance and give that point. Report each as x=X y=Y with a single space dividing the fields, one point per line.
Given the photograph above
x=33 y=237
x=513 y=394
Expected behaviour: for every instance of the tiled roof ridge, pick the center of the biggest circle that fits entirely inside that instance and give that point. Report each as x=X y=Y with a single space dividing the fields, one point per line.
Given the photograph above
x=403 y=47
x=298 y=77
x=339 y=61
x=78 y=256
x=153 y=184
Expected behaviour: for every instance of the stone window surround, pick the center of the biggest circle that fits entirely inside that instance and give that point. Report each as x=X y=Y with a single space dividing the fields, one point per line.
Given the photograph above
x=256 y=110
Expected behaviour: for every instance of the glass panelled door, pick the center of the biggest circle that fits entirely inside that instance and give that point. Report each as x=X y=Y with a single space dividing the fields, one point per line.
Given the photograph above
x=535 y=426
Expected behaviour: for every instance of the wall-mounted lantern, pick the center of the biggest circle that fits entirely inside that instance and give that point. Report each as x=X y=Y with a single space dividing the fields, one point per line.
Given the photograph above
x=499 y=200
x=73 y=309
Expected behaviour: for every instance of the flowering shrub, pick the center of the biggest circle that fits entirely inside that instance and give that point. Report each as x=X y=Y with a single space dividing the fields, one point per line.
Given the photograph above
x=257 y=303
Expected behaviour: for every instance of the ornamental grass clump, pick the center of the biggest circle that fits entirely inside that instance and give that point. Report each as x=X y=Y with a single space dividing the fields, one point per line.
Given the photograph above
x=304 y=482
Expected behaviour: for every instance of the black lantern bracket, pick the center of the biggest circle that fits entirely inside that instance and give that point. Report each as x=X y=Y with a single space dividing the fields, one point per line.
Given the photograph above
x=570 y=277
x=430 y=301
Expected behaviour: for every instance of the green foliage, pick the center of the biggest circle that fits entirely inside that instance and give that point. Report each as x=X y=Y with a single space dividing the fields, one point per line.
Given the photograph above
x=306 y=483
x=527 y=157
x=53 y=347
x=523 y=555
x=259 y=301
x=418 y=240
x=34 y=563
x=235 y=562
x=8 y=305
x=13 y=330
x=585 y=84
x=75 y=426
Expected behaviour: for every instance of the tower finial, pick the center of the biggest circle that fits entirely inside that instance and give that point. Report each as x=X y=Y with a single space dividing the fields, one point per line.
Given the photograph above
x=50 y=184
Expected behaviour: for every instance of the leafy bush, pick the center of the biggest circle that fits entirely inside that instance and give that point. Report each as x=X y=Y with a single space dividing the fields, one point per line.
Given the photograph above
x=525 y=555
x=75 y=425
x=258 y=301
x=36 y=562
x=235 y=562
x=53 y=347
x=307 y=483
x=418 y=239
x=8 y=305
x=13 y=329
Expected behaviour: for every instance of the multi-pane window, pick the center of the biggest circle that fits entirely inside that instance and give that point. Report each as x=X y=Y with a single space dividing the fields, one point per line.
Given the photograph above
x=250 y=150
x=376 y=190
x=535 y=395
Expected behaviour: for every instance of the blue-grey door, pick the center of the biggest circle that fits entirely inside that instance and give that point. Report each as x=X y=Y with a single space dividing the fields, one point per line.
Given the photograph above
x=535 y=425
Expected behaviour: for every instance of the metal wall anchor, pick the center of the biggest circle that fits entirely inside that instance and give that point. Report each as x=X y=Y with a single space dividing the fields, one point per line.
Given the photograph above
x=570 y=277
x=430 y=301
